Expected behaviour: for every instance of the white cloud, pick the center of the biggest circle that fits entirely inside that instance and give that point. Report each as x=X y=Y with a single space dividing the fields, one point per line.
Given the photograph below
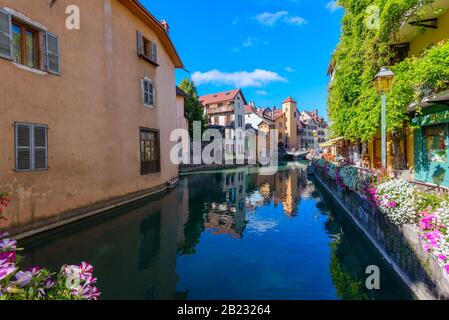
x=234 y=49
x=332 y=6
x=271 y=18
x=262 y=93
x=241 y=79
x=249 y=42
x=297 y=21
x=289 y=69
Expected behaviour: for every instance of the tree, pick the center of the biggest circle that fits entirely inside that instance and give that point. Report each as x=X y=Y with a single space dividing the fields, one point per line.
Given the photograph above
x=193 y=109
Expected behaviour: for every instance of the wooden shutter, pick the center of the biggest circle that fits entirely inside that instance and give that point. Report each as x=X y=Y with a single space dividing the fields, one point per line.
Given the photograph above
x=5 y=35
x=23 y=147
x=40 y=148
x=43 y=50
x=154 y=52
x=140 y=44
x=53 y=54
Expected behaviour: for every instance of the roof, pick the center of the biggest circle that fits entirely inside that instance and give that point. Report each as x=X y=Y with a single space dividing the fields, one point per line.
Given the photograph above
x=221 y=97
x=250 y=109
x=139 y=10
x=180 y=92
x=289 y=99
x=277 y=113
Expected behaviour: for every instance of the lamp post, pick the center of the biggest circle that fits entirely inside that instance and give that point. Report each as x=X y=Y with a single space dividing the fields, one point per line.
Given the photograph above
x=383 y=82
x=315 y=135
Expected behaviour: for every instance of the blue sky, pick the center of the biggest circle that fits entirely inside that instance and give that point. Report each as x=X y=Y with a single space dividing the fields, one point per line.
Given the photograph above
x=272 y=49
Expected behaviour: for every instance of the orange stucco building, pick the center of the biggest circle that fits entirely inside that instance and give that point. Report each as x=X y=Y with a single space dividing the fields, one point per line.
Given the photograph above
x=85 y=114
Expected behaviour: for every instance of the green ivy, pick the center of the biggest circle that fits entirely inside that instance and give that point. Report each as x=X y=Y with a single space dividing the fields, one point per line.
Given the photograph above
x=353 y=104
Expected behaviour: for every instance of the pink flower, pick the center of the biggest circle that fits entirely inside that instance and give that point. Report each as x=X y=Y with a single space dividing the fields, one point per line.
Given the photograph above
x=442 y=257
x=8 y=256
x=6 y=268
x=4 y=234
x=447 y=268
x=8 y=245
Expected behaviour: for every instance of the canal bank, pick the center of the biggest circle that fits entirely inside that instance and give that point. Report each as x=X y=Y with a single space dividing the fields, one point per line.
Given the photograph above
x=228 y=234
x=401 y=247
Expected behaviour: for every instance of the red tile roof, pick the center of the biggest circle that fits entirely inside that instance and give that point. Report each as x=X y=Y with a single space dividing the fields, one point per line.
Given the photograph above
x=250 y=109
x=277 y=114
x=289 y=99
x=219 y=97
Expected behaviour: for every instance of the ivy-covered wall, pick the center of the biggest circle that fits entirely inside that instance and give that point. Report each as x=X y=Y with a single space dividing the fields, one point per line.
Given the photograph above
x=353 y=104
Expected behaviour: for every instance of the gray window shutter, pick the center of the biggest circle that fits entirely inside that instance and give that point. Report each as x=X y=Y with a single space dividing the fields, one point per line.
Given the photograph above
x=153 y=52
x=23 y=147
x=40 y=148
x=139 y=44
x=5 y=35
x=150 y=94
x=43 y=50
x=53 y=54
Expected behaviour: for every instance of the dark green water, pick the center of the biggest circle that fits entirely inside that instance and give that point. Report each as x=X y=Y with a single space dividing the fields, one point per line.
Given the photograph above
x=224 y=235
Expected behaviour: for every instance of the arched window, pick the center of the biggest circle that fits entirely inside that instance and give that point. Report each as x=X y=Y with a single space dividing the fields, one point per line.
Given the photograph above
x=148 y=92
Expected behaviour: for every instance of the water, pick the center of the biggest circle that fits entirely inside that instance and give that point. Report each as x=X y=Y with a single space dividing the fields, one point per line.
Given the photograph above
x=224 y=235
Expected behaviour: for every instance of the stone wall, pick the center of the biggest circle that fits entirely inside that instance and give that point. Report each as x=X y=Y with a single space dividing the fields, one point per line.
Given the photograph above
x=400 y=246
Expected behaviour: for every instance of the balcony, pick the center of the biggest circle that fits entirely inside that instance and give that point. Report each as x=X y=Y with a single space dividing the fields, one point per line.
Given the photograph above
x=225 y=109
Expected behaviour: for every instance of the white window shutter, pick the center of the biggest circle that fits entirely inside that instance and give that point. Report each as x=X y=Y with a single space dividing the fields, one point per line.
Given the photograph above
x=23 y=147
x=5 y=35
x=53 y=54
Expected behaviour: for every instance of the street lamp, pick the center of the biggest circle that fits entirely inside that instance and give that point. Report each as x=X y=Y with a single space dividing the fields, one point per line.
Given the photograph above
x=383 y=82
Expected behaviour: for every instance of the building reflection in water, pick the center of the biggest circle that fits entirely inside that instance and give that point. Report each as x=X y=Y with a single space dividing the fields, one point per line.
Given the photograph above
x=140 y=251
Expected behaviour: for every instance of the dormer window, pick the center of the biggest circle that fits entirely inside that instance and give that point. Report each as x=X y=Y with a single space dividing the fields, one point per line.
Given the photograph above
x=147 y=49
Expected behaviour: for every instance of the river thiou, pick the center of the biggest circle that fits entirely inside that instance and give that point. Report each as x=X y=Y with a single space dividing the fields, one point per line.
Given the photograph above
x=227 y=234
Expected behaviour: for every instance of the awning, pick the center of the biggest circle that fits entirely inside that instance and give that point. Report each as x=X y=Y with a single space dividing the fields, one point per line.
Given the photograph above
x=439 y=98
x=331 y=143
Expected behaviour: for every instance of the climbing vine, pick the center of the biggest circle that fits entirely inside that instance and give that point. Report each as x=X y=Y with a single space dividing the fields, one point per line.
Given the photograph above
x=354 y=106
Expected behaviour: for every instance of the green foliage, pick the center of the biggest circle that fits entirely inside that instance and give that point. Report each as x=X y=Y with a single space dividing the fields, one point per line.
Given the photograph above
x=354 y=106
x=193 y=110
x=429 y=200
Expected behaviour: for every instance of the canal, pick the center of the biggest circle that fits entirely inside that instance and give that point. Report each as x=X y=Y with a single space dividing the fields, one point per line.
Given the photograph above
x=232 y=234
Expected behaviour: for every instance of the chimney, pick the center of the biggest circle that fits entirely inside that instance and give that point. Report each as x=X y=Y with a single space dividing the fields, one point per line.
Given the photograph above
x=165 y=25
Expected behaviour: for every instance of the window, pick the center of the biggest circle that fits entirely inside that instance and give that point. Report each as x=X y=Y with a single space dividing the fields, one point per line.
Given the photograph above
x=148 y=92
x=149 y=152
x=31 y=147
x=24 y=45
x=146 y=49
x=240 y=121
x=27 y=45
x=436 y=144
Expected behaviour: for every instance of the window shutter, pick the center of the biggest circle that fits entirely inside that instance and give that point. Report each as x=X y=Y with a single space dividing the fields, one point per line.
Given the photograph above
x=150 y=94
x=140 y=44
x=40 y=148
x=5 y=35
x=23 y=147
x=43 y=50
x=53 y=54
x=153 y=52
